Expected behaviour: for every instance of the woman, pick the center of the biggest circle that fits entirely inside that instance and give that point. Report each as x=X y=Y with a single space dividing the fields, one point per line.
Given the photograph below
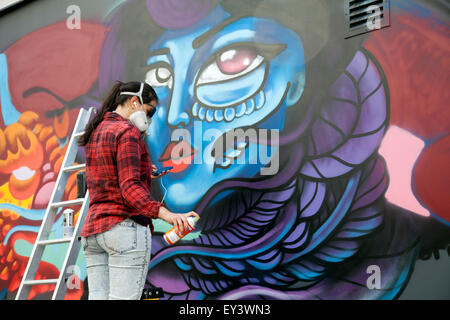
x=116 y=235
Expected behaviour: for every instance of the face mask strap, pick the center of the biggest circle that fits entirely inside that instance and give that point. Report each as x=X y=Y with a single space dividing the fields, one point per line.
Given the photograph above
x=137 y=94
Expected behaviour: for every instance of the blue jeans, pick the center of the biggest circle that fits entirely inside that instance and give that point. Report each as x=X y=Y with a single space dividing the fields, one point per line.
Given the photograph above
x=117 y=261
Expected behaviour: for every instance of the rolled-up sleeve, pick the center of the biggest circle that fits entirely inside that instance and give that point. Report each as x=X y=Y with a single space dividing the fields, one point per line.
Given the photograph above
x=128 y=167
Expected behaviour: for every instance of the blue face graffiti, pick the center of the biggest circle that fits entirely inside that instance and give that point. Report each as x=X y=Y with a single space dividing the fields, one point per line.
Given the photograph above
x=244 y=73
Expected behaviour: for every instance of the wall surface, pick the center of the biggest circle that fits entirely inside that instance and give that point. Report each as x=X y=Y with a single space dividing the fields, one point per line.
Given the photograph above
x=336 y=186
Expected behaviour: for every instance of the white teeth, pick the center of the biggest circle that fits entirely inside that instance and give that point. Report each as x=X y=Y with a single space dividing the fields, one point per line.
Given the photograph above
x=218 y=114
x=233 y=153
x=201 y=113
x=229 y=114
x=242 y=144
x=210 y=115
x=195 y=109
x=225 y=162
x=240 y=110
x=250 y=106
x=23 y=173
x=260 y=100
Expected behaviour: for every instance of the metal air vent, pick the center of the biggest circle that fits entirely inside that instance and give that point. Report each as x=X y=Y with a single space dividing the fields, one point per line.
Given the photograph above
x=366 y=15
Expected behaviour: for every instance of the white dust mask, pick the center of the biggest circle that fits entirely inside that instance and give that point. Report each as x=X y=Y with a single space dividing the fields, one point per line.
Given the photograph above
x=140 y=120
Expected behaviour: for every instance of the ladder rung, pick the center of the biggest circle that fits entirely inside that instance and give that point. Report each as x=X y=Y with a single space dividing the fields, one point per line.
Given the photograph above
x=78 y=134
x=37 y=282
x=67 y=203
x=75 y=167
x=53 y=241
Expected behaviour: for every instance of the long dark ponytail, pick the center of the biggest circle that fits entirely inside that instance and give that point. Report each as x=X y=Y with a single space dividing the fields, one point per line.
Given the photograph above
x=112 y=100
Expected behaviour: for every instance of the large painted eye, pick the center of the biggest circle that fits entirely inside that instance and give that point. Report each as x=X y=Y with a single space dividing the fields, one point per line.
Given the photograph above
x=235 y=61
x=159 y=76
x=231 y=64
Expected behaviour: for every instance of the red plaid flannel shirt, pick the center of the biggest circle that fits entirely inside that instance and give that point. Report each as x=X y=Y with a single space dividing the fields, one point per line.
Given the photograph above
x=118 y=176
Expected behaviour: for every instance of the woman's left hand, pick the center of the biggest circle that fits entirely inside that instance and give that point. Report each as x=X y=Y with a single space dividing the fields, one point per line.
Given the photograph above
x=154 y=168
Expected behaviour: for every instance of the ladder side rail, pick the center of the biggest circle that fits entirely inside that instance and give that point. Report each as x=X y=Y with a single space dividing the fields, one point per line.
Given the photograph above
x=75 y=243
x=73 y=251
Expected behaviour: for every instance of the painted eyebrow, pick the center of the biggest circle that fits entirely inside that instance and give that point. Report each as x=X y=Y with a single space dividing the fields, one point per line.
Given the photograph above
x=200 y=40
x=159 y=52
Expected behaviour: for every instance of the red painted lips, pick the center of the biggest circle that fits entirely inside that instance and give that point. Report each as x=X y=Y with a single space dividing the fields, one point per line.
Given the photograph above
x=178 y=155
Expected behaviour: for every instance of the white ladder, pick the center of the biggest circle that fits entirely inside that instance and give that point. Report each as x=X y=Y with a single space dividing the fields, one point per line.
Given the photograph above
x=54 y=204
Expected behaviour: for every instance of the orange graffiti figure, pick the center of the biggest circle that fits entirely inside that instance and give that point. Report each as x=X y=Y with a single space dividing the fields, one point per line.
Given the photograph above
x=30 y=158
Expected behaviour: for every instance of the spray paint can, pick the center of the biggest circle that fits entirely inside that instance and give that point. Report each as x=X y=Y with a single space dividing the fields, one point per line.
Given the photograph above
x=68 y=223
x=172 y=236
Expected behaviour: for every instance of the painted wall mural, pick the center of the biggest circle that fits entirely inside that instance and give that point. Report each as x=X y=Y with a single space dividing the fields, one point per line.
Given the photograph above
x=340 y=171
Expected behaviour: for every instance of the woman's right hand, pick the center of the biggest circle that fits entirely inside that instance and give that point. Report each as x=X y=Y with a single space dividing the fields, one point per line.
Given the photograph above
x=178 y=220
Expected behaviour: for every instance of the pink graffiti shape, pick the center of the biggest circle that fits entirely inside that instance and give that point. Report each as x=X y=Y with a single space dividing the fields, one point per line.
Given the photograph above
x=401 y=149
